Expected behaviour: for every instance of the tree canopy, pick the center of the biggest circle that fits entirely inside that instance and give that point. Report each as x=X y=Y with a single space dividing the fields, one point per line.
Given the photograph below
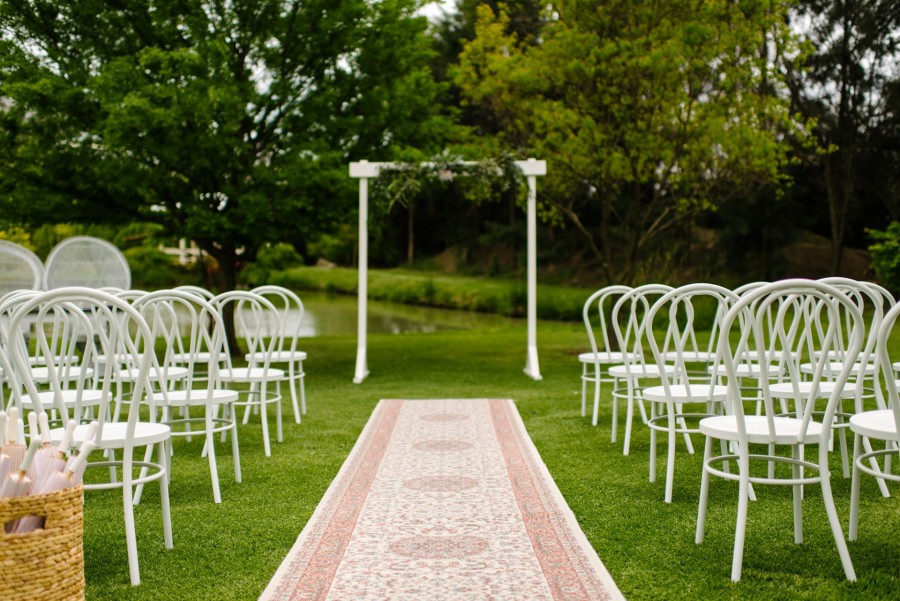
x=640 y=107
x=230 y=123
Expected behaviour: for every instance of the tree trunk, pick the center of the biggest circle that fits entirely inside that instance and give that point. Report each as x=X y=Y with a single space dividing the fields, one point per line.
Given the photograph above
x=837 y=185
x=410 y=233
x=226 y=256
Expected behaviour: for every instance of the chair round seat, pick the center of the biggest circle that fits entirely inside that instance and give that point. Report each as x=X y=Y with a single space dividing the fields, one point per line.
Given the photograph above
x=200 y=357
x=834 y=368
x=637 y=371
x=277 y=356
x=145 y=433
x=41 y=374
x=89 y=398
x=692 y=393
x=748 y=370
x=787 y=430
x=172 y=373
x=785 y=390
x=603 y=357
x=876 y=424
x=251 y=375
x=199 y=397
x=691 y=356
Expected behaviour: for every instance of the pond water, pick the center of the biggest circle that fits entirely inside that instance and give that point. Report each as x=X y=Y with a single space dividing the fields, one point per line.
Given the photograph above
x=336 y=315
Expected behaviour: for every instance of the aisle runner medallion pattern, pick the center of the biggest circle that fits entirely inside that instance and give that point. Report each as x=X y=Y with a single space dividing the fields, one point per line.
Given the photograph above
x=442 y=499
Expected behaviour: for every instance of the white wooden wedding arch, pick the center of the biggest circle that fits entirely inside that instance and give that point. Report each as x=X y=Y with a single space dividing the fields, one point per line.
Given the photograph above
x=364 y=171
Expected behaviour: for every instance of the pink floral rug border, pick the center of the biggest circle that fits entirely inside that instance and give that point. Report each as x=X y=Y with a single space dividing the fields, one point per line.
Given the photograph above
x=442 y=499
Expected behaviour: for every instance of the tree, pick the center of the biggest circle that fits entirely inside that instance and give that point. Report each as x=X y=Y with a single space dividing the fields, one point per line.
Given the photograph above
x=845 y=88
x=641 y=108
x=230 y=123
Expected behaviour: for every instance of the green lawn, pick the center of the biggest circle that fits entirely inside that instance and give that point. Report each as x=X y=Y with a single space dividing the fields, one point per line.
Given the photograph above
x=230 y=551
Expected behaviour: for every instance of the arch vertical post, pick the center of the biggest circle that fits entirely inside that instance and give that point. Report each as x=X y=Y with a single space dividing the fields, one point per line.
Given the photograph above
x=531 y=169
x=362 y=170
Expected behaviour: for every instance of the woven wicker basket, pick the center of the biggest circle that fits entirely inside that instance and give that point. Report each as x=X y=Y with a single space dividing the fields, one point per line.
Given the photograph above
x=45 y=564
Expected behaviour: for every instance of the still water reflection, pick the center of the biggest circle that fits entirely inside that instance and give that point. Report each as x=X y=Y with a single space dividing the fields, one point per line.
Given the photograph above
x=334 y=315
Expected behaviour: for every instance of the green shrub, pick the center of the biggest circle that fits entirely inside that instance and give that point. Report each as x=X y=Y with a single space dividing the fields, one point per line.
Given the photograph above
x=269 y=260
x=886 y=255
x=151 y=268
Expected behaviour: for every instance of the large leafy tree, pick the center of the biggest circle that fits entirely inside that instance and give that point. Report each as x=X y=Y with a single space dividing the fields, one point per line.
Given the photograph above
x=230 y=123
x=641 y=108
x=847 y=87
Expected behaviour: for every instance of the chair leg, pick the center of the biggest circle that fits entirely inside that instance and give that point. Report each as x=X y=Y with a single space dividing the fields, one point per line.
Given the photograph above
x=292 y=384
x=842 y=435
x=235 y=451
x=128 y=513
x=164 y=503
x=629 y=416
x=882 y=485
x=798 y=499
x=740 y=528
x=652 y=445
x=670 y=460
x=211 y=455
x=279 y=430
x=131 y=537
x=854 y=489
x=615 y=409
x=148 y=455
x=302 y=377
x=831 y=511
x=596 y=415
x=584 y=389
x=264 y=418
x=704 y=493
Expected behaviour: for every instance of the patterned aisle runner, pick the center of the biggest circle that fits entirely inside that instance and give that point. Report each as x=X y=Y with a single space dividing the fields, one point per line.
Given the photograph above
x=442 y=499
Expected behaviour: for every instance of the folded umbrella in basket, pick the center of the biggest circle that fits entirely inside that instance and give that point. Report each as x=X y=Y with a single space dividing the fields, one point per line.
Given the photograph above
x=57 y=481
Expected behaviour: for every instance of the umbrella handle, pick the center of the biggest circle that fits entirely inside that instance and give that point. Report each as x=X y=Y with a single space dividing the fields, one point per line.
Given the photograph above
x=12 y=425
x=33 y=426
x=3 y=419
x=67 y=436
x=44 y=426
x=86 y=447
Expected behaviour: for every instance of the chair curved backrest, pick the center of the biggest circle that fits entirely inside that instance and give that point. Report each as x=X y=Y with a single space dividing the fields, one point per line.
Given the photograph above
x=251 y=312
x=192 y=331
x=86 y=261
x=678 y=313
x=289 y=317
x=871 y=303
x=196 y=290
x=797 y=305
x=886 y=360
x=595 y=316
x=632 y=309
x=20 y=269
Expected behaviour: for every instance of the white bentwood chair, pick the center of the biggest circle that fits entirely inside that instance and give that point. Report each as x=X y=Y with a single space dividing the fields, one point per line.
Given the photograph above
x=189 y=324
x=796 y=302
x=258 y=383
x=602 y=353
x=285 y=326
x=629 y=321
x=678 y=313
x=106 y=326
x=881 y=424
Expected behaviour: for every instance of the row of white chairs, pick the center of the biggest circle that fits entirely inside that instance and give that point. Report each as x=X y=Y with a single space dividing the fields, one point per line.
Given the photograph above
x=771 y=366
x=139 y=362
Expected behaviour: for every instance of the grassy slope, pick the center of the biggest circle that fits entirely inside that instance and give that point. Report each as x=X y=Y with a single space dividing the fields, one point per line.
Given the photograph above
x=230 y=551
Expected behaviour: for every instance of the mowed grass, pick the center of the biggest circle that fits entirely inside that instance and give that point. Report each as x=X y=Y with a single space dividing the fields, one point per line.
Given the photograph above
x=230 y=551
